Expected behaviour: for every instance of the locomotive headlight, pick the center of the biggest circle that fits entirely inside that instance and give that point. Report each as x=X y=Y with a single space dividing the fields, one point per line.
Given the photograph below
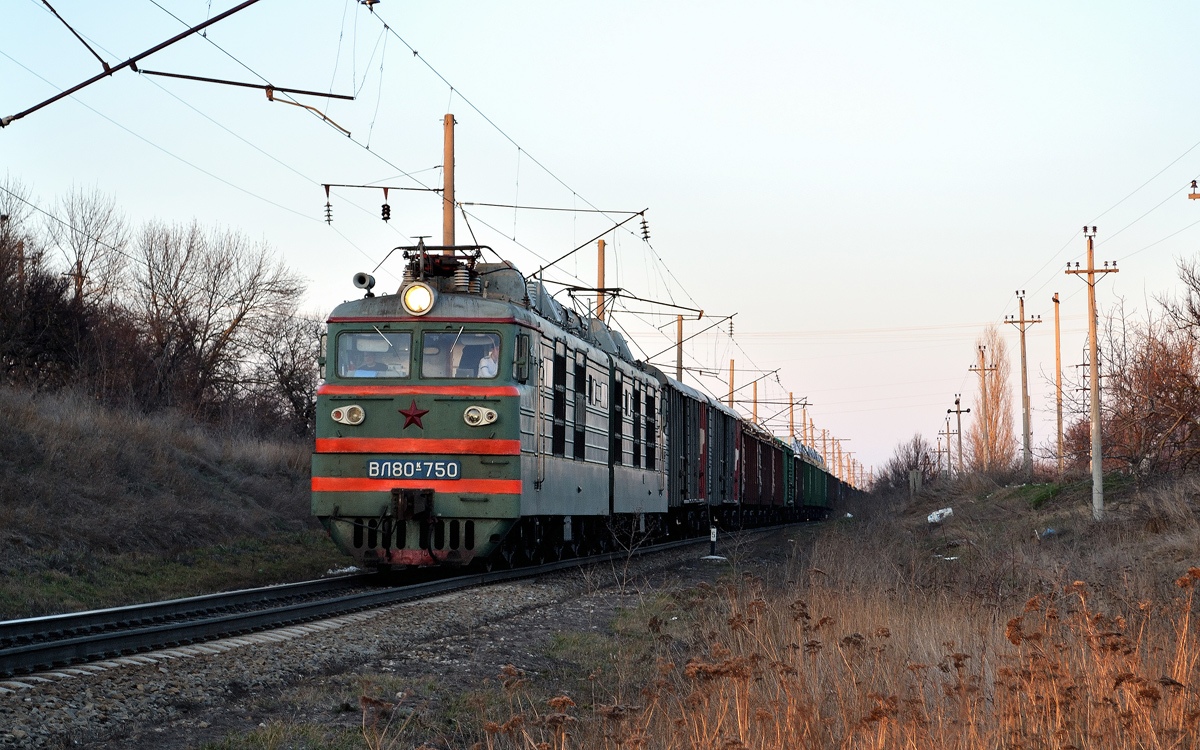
x=352 y=414
x=477 y=416
x=418 y=298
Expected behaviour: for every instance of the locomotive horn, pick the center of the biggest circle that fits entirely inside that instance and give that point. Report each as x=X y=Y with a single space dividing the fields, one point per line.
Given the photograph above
x=364 y=281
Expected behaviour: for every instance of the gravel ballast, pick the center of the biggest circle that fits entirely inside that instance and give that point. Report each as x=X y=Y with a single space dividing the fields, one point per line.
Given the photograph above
x=183 y=698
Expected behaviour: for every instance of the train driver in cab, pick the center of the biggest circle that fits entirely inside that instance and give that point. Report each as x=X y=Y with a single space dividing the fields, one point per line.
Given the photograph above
x=488 y=364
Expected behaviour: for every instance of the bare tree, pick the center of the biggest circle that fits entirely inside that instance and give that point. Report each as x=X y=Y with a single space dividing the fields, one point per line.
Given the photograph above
x=207 y=301
x=992 y=440
x=1185 y=311
x=910 y=455
x=92 y=236
x=287 y=373
x=1150 y=416
x=38 y=331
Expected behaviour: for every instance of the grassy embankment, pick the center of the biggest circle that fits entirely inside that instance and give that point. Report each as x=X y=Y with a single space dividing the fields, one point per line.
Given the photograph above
x=100 y=507
x=883 y=633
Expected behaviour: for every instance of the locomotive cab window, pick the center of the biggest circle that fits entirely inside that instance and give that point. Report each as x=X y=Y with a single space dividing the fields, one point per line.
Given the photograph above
x=376 y=354
x=460 y=354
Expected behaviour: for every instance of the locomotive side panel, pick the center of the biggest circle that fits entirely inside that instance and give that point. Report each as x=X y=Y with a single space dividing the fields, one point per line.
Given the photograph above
x=638 y=482
x=565 y=429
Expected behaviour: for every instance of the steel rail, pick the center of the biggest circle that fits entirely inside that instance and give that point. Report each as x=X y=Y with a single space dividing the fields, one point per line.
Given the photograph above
x=118 y=640
x=64 y=625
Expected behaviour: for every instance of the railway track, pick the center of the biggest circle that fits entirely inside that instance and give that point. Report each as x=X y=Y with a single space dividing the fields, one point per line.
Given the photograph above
x=41 y=643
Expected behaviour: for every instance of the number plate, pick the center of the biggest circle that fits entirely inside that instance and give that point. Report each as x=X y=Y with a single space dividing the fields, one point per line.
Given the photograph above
x=413 y=468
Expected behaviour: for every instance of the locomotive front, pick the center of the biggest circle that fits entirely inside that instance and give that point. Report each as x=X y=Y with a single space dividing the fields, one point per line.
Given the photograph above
x=418 y=447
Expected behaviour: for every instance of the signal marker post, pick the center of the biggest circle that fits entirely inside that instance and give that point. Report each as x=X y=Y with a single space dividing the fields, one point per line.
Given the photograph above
x=712 y=545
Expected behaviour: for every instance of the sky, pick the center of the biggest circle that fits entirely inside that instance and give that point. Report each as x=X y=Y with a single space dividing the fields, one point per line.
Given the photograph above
x=863 y=185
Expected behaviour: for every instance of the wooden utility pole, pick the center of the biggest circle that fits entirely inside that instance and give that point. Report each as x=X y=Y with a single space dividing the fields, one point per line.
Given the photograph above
x=679 y=348
x=731 y=384
x=600 y=280
x=1022 y=323
x=1094 y=370
x=959 y=411
x=983 y=370
x=825 y=448
x=1058 y=382
x=448 y=204
x=804 y=423
x=812 y=434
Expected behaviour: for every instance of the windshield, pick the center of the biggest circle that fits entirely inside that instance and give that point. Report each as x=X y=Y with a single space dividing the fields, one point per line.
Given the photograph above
x=374 y=355
x=459 y=354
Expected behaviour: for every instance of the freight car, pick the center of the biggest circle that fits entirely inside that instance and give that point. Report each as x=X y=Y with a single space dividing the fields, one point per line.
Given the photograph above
x=471 y=417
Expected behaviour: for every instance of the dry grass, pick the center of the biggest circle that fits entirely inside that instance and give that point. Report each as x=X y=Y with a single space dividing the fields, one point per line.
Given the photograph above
x=84 y=488
x=888 y=634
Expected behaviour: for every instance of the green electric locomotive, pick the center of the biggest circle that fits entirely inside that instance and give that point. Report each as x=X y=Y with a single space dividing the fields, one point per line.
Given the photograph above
x=472 y=417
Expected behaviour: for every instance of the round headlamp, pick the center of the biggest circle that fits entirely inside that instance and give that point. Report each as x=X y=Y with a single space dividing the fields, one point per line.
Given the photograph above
x=418 y=298
x=477 y=416
x=352 y=414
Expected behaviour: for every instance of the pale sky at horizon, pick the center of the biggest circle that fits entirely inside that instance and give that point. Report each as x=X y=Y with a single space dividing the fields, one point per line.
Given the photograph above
x=864 y=183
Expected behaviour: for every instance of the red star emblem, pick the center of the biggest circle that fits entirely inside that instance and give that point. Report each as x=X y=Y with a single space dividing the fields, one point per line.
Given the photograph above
x=412 y=415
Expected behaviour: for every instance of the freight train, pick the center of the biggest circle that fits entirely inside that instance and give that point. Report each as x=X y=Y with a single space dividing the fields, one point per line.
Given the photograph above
x=472 y=418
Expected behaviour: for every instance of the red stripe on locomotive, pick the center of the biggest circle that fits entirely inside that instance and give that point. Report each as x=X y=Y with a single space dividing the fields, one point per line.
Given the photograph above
x=481 y=391
x=419 y=445
x=449 y=486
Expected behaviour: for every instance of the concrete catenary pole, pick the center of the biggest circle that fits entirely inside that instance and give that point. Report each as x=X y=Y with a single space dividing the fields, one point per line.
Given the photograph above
x=1022 y=323
x=983 y=370
x=958 y=410
x=1094 y=371
x=1058 y=381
